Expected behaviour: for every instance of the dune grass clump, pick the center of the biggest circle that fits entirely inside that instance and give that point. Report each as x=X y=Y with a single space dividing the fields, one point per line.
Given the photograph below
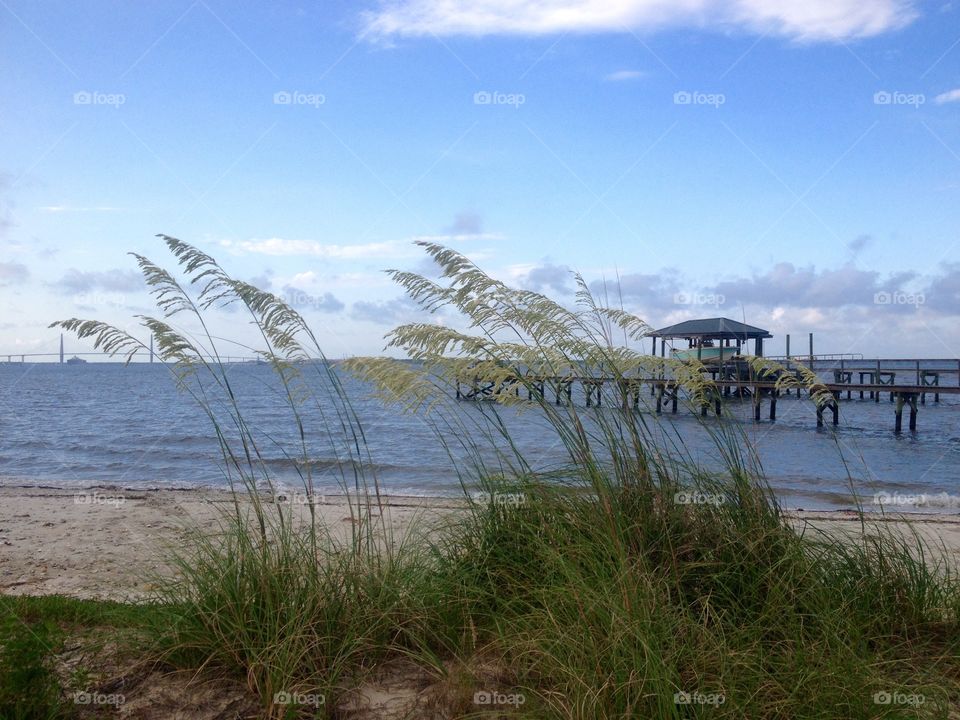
x=629 y=579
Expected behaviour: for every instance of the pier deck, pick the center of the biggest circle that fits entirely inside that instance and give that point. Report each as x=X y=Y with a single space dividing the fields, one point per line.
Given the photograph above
x=668 y=391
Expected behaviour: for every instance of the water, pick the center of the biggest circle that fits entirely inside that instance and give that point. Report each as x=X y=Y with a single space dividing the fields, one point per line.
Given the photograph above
x=107 y=424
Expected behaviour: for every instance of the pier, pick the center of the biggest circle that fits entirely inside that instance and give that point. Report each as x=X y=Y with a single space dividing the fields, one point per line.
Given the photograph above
x=716 y=345
x=668 y=392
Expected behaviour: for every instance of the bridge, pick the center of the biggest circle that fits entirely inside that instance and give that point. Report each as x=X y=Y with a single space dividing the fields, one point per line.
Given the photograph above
x=146 y=355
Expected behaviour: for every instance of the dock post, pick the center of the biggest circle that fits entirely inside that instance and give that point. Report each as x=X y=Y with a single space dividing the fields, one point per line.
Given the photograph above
x=717 y=407
x=773 y=405
x=756 y=404
x=898 y=422
x=811 y=351
x=913 y=412
x=673 y=401
x=819 y=415
x=659 y=392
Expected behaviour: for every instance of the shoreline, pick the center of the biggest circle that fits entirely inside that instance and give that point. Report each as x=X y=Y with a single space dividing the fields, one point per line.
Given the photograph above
x=102 y=542
x=872 y=510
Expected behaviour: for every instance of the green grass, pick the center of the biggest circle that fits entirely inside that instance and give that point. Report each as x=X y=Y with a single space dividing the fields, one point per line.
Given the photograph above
x=33 y=631
x=589 y=591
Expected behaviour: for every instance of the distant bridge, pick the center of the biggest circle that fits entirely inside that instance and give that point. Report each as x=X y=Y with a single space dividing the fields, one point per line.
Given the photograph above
x=146 y=355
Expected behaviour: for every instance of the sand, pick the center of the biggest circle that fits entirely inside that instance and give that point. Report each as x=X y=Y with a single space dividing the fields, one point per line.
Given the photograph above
x=106 y=543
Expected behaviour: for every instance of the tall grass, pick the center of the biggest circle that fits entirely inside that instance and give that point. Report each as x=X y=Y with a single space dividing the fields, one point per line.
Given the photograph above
x=588 y=589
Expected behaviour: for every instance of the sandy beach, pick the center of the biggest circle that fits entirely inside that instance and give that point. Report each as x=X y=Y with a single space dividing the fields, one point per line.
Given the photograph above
x=105 y=543
x=108 y=544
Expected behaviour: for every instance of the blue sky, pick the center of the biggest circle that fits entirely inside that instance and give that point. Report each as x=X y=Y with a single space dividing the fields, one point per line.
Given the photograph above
x=796 y=165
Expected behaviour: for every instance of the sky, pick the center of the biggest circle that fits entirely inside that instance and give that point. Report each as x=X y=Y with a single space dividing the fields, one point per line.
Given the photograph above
x=794 y=165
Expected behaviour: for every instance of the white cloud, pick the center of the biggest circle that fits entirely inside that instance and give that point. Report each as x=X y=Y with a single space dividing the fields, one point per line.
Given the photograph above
x=948 y=97
x=811 y=20
x=622 y=75
x=284 y=247
x=462 y=237
x=74 y=209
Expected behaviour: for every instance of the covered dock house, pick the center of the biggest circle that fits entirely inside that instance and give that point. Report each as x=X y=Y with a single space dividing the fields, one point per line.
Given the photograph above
x=709 y=338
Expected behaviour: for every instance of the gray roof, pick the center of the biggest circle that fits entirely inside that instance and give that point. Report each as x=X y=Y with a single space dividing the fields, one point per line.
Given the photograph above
x=714 y=329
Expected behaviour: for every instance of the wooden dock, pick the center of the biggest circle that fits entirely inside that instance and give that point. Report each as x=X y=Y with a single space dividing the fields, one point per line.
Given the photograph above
x=907 y=383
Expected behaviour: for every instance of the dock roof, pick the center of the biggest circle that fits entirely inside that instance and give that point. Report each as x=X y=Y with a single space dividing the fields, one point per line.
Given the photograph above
x=712 y=328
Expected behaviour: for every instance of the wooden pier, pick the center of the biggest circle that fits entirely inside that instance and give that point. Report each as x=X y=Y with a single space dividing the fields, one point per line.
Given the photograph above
x=734 y=380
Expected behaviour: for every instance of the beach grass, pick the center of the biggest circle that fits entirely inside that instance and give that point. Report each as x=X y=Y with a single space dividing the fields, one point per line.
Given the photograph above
x=631 y=581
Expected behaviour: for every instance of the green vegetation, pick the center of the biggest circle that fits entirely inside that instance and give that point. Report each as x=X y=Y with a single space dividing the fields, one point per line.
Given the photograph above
x=594 y=589
x=33 y=632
